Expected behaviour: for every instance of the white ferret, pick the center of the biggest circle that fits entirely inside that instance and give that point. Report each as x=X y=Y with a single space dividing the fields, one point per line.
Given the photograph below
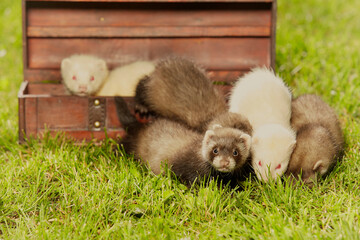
x=122 y=80
x=85 y=75
x=264 y=99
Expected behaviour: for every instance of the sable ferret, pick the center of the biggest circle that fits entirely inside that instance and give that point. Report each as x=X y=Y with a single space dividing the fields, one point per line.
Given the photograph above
x=319 y=138
x=178 y=89
x=85 y=75
x=190 y=154
x=264 y=99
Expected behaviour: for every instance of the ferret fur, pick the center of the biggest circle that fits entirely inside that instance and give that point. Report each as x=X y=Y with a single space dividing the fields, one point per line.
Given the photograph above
x=319 y=138
x=272 y=145
x=264 y=99
x=190 y=154
x=178 y=89
x=83 y=75
x=86 y=75
x=122 y=80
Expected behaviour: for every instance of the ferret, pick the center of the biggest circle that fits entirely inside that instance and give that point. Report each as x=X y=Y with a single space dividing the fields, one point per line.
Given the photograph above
x=271 y=148
x=86 y=75
x=122 y=80
x=190 y=155
x=262 y=97
x=319 y=138
x=83 y=75
x=265 y=101
x=232 y=120
x=179 y=90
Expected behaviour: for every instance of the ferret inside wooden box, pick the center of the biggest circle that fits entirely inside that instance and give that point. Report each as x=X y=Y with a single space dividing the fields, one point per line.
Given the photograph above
x=226 y=37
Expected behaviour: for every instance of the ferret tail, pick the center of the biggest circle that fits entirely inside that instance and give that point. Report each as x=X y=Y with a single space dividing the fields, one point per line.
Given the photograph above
x=125 y=117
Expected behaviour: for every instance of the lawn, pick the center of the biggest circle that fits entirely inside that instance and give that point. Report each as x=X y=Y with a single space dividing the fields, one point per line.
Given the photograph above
x=53 y=189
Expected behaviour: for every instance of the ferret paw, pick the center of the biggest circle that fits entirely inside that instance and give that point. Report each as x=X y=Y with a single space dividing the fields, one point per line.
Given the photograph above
x=141 y=110
x=142 y=113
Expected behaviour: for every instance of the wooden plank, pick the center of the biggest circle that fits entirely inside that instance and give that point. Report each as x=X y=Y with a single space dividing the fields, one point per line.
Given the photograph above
x=212 y=53
x=112 y=120
x=273 y=34
x=31 y=120
x=149 y=15
x=24 y=36
x=46 y=89
x=242 y=31
x=22 y=120
x=37 y=75
x=63 y=113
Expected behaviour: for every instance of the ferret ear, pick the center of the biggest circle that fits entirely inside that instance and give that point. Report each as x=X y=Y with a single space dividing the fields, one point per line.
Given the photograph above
x=319 y=167
x=66 y=62
x=102 y=64
x=247 y=140
x=209 y=134
x=215 y=126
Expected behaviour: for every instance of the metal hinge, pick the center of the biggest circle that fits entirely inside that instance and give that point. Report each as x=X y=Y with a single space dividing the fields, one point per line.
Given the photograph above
x=97 y=113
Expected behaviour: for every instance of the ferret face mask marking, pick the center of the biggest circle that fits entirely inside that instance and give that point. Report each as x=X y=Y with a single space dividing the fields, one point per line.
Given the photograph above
x=226 y=149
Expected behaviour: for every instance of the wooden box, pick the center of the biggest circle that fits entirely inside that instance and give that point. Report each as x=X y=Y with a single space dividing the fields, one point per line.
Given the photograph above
x=227 y=37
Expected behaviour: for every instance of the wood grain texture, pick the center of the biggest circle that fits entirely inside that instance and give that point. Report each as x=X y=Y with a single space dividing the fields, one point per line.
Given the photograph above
x=73 y=32
x=46 y=90
x=112 y=120
x=31 y=121
x=67 y=112
x=21 y=120
x=149 y=15
x=226 y=37
x=212 y=53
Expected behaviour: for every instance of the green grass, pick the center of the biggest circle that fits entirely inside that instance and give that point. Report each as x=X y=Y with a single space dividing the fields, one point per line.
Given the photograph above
x=54 y=189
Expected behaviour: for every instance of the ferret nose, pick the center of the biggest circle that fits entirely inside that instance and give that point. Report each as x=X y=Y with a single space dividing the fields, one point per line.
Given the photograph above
x=82 y=88
x=225 y=163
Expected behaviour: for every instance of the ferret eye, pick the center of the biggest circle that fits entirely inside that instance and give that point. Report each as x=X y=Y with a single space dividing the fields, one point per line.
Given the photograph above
x=260 y=163
x=215 y=151
x=92 y=78
x=74 y=77
x=278 y=166
x=235 y=153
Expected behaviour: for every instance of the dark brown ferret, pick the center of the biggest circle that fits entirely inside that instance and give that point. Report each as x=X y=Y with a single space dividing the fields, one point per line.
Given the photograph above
x=178 y=89
x=319 y=140
x=220 y=152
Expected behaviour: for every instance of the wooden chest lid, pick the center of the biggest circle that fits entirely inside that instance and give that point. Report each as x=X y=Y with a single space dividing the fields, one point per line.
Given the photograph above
x=227 y=37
